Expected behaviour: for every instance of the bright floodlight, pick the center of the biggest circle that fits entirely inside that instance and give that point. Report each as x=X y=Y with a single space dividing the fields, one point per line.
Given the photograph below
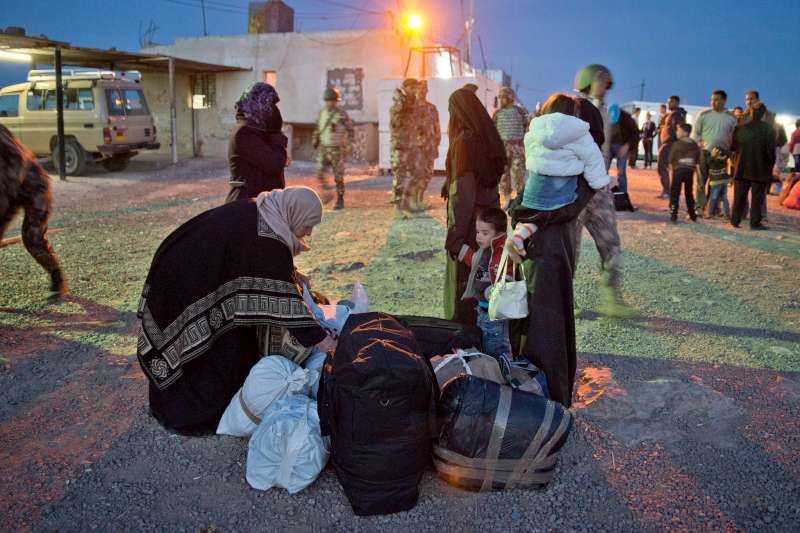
x=14 y=56
x=414 y=22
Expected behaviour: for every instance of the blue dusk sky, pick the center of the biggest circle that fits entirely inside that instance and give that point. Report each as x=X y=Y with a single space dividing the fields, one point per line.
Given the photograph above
x=683 y=47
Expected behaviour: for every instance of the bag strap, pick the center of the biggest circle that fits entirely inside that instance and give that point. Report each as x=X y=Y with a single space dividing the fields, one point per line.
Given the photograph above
x=253 y=418
x=496 y=438
x=501 y=268
x=446 y=359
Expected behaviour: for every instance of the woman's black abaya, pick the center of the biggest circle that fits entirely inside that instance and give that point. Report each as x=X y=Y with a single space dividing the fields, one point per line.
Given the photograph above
x=550 y=332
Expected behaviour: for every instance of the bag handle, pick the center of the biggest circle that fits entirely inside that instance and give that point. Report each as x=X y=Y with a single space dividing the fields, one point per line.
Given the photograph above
x=460 y=356
x=500 y=277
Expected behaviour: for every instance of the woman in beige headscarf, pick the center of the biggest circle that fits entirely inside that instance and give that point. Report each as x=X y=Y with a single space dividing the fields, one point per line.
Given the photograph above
x=214 y=282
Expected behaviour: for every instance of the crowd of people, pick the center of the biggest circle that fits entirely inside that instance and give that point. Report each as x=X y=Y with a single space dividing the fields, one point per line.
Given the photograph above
x=222 y=289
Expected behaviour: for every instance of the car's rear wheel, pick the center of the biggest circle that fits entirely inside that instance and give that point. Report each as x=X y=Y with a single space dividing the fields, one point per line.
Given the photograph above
x=74 y=157
x=115 y=163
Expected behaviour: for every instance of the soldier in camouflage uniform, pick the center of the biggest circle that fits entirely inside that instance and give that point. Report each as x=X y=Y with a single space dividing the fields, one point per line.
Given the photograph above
x=25 y=185
x=406 y=153
x=332 y=138
x=512 y=121
x=430 y=136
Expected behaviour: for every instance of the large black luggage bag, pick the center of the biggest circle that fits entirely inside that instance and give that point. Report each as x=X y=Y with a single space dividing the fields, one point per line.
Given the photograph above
x=377 y=401
x=437 y=336
x=494 y=437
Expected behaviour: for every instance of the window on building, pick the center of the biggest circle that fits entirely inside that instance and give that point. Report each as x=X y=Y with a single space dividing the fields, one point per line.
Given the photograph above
x=203 y=92
x=271 y=77
x=9 y=105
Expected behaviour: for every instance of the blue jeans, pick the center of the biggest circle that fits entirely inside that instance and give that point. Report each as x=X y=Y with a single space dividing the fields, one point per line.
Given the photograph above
x=719 y=192
x=622 y=166
x=496 y=341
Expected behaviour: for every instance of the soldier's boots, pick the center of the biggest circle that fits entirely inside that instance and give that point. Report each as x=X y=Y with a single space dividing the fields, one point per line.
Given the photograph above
x=327 y=193
x=339 y=202
x=419 y=202
x=611 y=302
x=58 y=285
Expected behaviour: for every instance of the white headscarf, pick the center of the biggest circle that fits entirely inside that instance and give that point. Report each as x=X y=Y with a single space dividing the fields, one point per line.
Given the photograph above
x=288 y=210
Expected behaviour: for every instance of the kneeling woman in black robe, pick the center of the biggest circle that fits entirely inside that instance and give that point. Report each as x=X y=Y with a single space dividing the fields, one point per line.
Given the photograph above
x=212 y=282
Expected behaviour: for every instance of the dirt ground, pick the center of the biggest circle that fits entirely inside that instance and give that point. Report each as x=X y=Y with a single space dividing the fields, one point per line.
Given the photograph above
x=686 y=416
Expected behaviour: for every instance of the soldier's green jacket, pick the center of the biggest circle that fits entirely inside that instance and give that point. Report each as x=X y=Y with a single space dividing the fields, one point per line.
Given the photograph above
x=402 y=128
x=429 y=134
x=334 y=128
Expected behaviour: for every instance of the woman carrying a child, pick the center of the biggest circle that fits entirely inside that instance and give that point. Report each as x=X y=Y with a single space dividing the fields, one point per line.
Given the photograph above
x=565 y=168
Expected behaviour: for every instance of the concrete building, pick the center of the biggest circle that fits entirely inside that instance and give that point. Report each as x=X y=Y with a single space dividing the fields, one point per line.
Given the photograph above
x=300 y=66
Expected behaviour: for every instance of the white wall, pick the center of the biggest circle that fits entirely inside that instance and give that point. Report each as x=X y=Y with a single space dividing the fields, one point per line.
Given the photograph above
x=302 y=61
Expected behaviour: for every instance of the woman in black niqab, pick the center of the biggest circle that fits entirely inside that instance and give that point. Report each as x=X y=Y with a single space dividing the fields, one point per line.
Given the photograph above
x=475 y=162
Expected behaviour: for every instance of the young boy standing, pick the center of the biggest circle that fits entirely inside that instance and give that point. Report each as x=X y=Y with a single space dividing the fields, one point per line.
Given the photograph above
x=683 y=158
x=491 y=236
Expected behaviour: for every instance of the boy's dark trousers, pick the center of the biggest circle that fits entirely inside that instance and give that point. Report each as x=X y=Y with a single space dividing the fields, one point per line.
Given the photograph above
x=740 y=190
x=648 y=152
x=681 y=176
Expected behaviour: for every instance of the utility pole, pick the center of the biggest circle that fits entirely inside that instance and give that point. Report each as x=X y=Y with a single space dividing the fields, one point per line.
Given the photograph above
x=469 y=22
x=641 y=92
x=203 y=7
x=62 y=157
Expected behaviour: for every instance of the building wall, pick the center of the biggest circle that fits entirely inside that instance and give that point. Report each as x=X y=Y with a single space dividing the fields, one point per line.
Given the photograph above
x=301 y=62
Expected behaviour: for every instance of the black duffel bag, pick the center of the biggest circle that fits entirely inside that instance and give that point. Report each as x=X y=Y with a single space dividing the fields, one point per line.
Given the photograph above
x=377 y=401
x=493 y=437
x=437 y=336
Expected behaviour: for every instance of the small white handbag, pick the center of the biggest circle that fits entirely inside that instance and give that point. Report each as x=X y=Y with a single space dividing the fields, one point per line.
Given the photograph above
x=508 y=299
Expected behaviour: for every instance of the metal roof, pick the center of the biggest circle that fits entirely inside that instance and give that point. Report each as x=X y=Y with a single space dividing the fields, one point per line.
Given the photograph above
x=42 y=50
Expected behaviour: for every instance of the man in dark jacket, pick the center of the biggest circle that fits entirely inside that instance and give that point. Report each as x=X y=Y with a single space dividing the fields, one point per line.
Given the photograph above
x=649 y=131
x=624 y=137
x=754 y=156
x=633 y=155
x=675 y=115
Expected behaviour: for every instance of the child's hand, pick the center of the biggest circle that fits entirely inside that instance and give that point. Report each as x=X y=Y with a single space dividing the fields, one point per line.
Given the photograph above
x=516 y=244
x=514 y=253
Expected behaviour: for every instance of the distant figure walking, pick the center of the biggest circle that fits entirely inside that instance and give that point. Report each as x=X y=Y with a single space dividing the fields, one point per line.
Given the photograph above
x=332 y=140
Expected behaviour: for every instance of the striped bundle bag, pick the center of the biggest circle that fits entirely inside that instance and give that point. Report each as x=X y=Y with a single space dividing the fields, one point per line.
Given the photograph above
x=494 y=437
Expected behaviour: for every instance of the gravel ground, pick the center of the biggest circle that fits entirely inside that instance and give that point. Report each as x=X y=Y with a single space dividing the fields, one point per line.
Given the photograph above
x=685 y=415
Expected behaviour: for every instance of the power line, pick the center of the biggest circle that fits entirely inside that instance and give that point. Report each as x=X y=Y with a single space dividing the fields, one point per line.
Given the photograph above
x=351 y=7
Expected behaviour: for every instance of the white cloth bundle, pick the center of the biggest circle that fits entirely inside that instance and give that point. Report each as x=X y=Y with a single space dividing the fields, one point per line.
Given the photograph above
x=271 y=379
x=287 y=450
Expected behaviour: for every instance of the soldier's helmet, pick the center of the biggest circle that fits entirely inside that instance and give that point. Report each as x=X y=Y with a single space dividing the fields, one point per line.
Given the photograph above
x=331 y=94
x=409 y=84
x=584 y=77
x=507 y=92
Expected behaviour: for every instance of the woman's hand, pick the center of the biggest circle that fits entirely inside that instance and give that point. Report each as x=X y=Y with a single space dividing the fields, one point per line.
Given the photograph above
x=327 y=345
